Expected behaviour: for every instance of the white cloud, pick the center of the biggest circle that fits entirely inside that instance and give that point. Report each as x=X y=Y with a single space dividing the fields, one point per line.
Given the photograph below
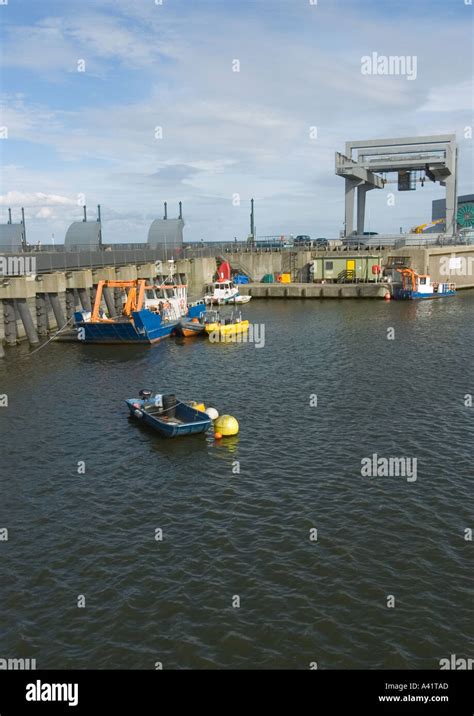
x=455 y=97
x=44 y=213
x=34 y=199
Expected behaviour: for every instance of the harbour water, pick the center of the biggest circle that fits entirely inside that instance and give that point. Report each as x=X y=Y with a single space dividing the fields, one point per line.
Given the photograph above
x=328 y=389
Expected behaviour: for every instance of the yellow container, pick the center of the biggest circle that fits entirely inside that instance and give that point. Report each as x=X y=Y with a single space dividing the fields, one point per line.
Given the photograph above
x=285 y=278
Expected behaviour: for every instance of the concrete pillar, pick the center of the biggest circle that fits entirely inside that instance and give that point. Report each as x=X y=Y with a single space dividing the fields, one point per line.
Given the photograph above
x=9 y=322
x=57 y=310
x=93 y=294
x=27 y=321
x=41 y=314
x=85 y=298
x=451 y=201
x=109 y=300
x=350 y=186
x=70 y=303
x=118 y=301
x=361 y=194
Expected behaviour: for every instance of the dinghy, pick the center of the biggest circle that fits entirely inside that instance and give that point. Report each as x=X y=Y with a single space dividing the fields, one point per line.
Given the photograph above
x=225 y=328
x=169 y=416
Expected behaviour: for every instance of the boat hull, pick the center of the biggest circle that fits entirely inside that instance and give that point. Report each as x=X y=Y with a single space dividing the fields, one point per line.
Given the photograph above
x=196 y=310
x=188 y=329
x=228 y=331
x=405 y=295
x=235 y=300
x=143 y=326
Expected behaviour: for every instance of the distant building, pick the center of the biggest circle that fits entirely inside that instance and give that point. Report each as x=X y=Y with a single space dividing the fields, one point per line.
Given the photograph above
x=464 y=215
x=167 y=233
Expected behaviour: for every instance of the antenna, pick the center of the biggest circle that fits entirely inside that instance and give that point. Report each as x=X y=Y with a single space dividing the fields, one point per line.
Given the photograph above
x=23 y=222
x=100 y=224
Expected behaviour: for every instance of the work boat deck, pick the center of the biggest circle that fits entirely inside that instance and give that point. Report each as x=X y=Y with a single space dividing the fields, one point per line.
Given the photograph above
x=149 y=313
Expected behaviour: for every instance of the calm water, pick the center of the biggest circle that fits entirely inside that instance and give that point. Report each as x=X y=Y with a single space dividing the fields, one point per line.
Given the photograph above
x=246 y=534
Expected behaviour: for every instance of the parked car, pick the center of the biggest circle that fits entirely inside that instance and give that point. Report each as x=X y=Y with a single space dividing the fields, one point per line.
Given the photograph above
x=321 y=243
x=302 y=240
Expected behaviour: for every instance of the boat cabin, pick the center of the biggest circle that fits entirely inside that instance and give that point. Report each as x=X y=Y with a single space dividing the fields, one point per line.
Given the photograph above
x=167 y=296
x=224 y=288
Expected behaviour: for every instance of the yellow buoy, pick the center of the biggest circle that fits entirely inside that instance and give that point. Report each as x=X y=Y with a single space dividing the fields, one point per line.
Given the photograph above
x=198 y=406
x=226 y=425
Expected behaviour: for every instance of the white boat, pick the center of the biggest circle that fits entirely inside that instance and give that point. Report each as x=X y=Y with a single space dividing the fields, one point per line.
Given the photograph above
x=222 y=292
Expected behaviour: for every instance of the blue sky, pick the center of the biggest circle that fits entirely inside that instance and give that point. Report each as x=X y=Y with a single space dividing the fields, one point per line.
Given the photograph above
x=91 y=134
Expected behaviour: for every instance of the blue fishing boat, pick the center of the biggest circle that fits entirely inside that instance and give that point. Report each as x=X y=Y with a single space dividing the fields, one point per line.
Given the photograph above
x=169 y=416
x=149 y=313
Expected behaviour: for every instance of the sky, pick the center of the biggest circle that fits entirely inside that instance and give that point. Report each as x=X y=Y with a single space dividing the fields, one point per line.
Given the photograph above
x=130 y=103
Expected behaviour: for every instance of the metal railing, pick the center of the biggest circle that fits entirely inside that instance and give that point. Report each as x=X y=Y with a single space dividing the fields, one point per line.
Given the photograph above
x=48 y=261
x=61 y=257
x=346 y=276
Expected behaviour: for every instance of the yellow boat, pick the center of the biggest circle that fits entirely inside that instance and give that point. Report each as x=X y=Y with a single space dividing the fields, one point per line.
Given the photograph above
x=224 y=328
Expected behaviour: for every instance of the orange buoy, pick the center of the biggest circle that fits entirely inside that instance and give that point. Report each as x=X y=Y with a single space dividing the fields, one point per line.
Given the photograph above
x=217 y=436
x=387 y=296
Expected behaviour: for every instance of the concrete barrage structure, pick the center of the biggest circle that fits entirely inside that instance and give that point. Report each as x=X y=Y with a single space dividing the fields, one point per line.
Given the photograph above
x=434 y=156
x=39 y=305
